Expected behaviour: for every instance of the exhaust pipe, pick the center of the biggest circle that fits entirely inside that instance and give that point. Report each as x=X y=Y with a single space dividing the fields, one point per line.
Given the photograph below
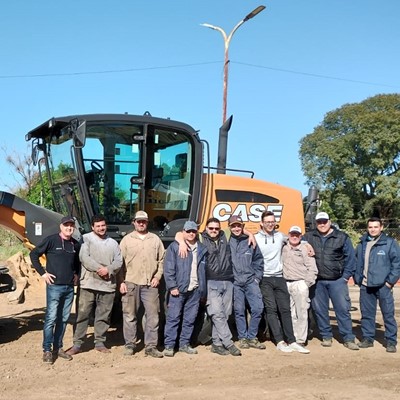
x=223 y=145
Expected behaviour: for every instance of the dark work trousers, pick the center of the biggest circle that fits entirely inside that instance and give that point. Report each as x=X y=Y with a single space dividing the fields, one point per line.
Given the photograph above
x=277 y=304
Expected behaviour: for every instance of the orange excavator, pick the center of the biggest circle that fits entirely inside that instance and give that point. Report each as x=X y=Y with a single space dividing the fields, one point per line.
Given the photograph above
x=116 y=164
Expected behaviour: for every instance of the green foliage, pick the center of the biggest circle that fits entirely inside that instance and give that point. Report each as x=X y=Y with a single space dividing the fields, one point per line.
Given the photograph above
x=353 y=156
x=9 y=245
x=39 y=193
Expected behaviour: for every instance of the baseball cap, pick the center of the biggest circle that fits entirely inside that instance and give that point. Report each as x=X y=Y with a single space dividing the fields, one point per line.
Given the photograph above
x=141 y=215
x=66 y=219
x=235 y=219
x=190 y=226
x=322 y=215
x=295 y=228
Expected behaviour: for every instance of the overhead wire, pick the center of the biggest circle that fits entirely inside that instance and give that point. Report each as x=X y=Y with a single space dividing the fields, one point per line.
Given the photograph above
x=173 y=66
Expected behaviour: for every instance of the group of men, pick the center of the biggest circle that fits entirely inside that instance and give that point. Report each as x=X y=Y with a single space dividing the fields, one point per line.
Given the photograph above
x=268 y=273
x=375 y=267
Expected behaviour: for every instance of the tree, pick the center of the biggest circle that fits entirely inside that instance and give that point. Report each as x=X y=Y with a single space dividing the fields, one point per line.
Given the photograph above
x=353 y=156
x=30 y=185
x=22 y=170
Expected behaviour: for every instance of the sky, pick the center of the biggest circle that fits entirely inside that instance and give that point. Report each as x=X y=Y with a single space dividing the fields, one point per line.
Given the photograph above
x=289 y=66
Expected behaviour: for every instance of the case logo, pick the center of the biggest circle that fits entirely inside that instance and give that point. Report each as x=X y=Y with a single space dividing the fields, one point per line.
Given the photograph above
x=223 y=211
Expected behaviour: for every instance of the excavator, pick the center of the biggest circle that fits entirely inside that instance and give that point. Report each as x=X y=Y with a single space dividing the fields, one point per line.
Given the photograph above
x=117 y=164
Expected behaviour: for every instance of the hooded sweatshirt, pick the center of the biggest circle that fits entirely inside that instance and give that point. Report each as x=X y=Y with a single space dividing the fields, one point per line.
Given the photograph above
x=271 y=249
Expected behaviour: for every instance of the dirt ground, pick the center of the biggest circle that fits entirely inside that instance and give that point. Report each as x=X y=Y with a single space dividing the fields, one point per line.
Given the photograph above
x=325 y=373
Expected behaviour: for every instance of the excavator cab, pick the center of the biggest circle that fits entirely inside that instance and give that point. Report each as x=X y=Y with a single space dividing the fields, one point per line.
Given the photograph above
x=118 y=164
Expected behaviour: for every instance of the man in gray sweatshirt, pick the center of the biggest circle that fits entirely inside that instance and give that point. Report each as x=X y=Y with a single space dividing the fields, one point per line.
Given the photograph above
x=101 y=259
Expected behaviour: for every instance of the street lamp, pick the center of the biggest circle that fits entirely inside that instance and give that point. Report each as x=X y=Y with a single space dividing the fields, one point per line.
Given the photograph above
x=227 y=40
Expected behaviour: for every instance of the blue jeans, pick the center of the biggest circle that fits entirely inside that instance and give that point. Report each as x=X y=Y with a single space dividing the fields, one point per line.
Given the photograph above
x=181 y=308
x=59 y=300
x=219 y=308
x=338 y=292
x=252 y=293
x=369 y=296
x=277 y=306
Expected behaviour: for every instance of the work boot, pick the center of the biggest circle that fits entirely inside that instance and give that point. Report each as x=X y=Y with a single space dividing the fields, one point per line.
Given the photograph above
x=48 y=357
x=233 y=350
x=73 y=350
x=102 y=349
x=222 y=351
x=62 y=354
x=244 y=344
x=326 y=342
x=129 y=349
x=168 y=352
x=153 y=352
x=351 y=345
x=188 y=349
x=255 y=344
x=391 y=348
x=365 y=343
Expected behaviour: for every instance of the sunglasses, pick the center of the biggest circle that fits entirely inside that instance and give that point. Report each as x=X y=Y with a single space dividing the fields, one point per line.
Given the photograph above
x=191 y=231
x=213 y=228
x=142 y=221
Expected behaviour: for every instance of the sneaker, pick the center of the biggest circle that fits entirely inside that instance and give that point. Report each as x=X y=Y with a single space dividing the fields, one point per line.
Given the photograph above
x=63 y=354
x=188 y=349
x=168 y=352
x=233 y=350
x=391 y=348
x=299 y=348
x=255 y=344
x=365 y=343
x=102 y=349
x=351 y=345
x=129 y=349
x=244 y=344
x=326 y=342
x=222 y=351
x=153 y=352
x=73 y=350
x=48 y=357
x=282 y=346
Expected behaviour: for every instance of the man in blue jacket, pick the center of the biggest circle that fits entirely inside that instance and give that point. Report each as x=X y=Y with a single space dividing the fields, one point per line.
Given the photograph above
x=185 y=279
x=248 y=266
x=377 y=271
x=219 y=275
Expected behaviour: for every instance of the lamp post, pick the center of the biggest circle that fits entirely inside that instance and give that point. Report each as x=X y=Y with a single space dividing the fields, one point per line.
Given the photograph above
x=227 y=40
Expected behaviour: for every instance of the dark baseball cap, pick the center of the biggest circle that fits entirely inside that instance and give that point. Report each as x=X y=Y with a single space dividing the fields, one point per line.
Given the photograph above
x=190 y=226
x=235 y=219
x=67 y=219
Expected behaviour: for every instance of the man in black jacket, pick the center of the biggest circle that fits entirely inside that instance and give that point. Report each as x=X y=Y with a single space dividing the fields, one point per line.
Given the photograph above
x=219 y=275
x=336 y=263
x=61 y=274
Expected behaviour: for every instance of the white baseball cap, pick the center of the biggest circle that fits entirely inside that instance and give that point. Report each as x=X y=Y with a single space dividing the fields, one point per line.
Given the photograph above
x=141 y=215
x=322 y=215
x=295 y=228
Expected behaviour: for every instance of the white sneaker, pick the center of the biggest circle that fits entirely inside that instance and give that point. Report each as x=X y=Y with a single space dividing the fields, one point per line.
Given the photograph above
x=282 y=346
x=298 y=347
